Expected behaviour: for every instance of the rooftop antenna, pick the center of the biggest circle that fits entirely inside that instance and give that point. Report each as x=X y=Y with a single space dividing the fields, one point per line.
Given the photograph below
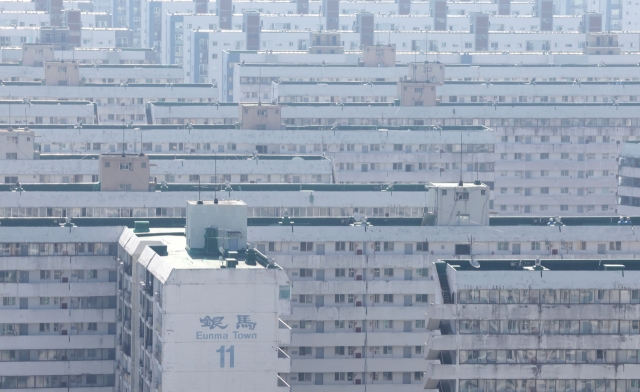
x=123 y=136
x=426 y=44
x=259 y=85
x=460 y=183
x=199 y=198
x=123 y=127
x=215 y=176
x=413 y=66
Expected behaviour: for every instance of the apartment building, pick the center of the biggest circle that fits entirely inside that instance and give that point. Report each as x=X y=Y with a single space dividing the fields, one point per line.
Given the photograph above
x=574 y=145
x=628 y=179
x=254 y=79
x=534 y=324
x=305 y=201
x=58 y=315
x=115 y=102
x=16 y=144
x=70 y=327
x=229 y=168
x=362 y=305
x=26 y=54
x=397 y=154
x=205 y=56
x=20 y=112
x=366 y=298
x=162 y=281
x=452 y=92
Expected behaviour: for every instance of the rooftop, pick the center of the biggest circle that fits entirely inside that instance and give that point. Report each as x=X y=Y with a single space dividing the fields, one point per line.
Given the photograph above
x=552 y=265
x=229 y=202
x=177 y=257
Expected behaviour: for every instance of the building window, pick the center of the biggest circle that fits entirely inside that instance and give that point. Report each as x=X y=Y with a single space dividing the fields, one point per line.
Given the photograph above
x=285 y=292
x=422 y=246
x=305 y=377
x=422 y=272
x=306 y=246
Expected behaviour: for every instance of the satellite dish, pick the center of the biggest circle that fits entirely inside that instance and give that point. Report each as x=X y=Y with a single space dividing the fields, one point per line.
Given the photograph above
x=474 y=263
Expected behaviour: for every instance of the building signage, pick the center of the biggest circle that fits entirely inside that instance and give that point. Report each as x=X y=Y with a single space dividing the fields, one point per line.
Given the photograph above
x=217 y=328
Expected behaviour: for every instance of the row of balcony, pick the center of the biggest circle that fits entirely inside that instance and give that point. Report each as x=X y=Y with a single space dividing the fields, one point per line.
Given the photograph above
x=400 y=287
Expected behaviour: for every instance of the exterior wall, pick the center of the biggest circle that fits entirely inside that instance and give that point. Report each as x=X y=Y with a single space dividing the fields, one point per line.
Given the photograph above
x=115 y=101
x=16 y=144
x=62 y=73
x=365 y=26
x=224 y=10
x=227 y=215
x=379 y=56
x=36 y=55
x=599 y=43
x=480 y=27
x=358 y=324
x=58 y=321
x=172 y=330
x=454 y=204
x=331 y=11
x=294 y=170
x=124 y=173
x=171 y=204
x=259 y=117
x=628 y=180
x=417 y=94
x=252 y=26
x=35 y=112
x=583 y=295
x=426 y=72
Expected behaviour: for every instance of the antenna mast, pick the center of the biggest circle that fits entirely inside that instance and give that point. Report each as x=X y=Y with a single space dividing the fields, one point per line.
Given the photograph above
x=123 y=136
x=460 y=183
x=215 y=174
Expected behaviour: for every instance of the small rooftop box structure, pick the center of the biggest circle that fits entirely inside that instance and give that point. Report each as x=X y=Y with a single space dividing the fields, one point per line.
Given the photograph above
x=455 y=204
x=212 y=226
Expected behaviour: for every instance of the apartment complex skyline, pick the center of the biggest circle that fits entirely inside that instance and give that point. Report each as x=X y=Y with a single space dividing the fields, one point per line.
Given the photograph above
x=310 y=196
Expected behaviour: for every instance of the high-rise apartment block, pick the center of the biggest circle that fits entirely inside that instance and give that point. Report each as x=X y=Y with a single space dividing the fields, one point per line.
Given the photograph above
x=319 y=195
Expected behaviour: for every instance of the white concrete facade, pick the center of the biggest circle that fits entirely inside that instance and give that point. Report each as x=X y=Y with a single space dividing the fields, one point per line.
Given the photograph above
x=58 y=312
x=490 y=337
x=190 y=341
x=628 y=180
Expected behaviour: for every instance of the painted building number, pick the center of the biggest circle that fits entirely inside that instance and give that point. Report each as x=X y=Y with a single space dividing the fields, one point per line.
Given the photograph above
x=230 y=350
